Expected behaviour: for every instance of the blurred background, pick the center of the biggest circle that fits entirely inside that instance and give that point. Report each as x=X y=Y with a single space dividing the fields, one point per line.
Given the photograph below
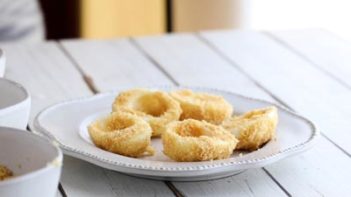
x=119 y=18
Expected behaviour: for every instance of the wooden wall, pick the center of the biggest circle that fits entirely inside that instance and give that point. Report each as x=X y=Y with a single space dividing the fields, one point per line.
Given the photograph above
x=116 y=18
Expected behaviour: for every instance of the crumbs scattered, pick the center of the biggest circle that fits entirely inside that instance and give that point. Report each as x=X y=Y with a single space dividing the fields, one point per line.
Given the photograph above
x=55 y=143
x=5 y=173
x=57 y=162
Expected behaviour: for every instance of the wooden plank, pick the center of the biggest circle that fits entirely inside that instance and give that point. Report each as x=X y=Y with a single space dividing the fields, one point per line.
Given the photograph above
x=108 y=183
x=112 y=18
x=50 y=77
x=310 y=92
x=322 y=171
x=322 y=48
x=115 y=64
x=190 y=62
x=250 y=183
x=45 y=72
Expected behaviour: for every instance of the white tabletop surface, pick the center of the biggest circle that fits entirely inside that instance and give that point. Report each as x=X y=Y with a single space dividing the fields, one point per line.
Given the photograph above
x=308 y=71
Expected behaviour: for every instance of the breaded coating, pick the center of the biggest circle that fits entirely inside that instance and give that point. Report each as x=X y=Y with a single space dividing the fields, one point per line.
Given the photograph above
x=122 y=133
x=254 y=128
x=202 y=106
x=155 y=107
x=193 y=140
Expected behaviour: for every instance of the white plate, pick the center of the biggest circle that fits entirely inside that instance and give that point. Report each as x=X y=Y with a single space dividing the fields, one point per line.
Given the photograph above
x=66 y=123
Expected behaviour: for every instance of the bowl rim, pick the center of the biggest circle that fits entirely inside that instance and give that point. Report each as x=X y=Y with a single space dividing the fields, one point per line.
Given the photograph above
x=2 y=62
x=54 y=163
x=16 y=105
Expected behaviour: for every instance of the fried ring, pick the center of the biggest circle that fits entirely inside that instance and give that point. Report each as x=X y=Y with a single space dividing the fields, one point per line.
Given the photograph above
x=193 y=140
x=156 y=107
x=122 y=133
x=202 y=106
x=254 y=128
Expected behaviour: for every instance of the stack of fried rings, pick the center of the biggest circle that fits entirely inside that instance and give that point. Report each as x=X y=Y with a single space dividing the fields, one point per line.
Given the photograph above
x=201 y=135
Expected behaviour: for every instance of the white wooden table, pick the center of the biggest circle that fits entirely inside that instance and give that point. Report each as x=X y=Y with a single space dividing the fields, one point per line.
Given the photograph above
x=308 y=71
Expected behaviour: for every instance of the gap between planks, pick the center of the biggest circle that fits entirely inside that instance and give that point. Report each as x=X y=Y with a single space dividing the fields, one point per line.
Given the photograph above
x=60 y=191
x=304 y=57
x=87 y=79
x=252 y=51
x=276 y=98
x=326 y=72
x=153 y=61
x=90 y=86
x=90 y=83
x=235 y=65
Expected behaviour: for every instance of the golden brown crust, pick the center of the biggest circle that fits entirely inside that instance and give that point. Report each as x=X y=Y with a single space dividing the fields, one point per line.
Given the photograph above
x=193 y=140
x=156 y=107
x=202 y=106
x=122 y=133
x=254 y=128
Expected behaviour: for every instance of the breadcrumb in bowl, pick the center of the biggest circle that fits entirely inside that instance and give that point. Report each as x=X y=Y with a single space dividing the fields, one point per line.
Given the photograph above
x=5 y=173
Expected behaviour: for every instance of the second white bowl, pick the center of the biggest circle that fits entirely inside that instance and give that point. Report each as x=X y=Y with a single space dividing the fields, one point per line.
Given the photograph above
x=35 y=162
x=15 y=104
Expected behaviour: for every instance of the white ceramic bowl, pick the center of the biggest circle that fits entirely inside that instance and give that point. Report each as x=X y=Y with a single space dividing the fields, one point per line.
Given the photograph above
x=2 y=63
x=35 y=162
x=14 y=104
